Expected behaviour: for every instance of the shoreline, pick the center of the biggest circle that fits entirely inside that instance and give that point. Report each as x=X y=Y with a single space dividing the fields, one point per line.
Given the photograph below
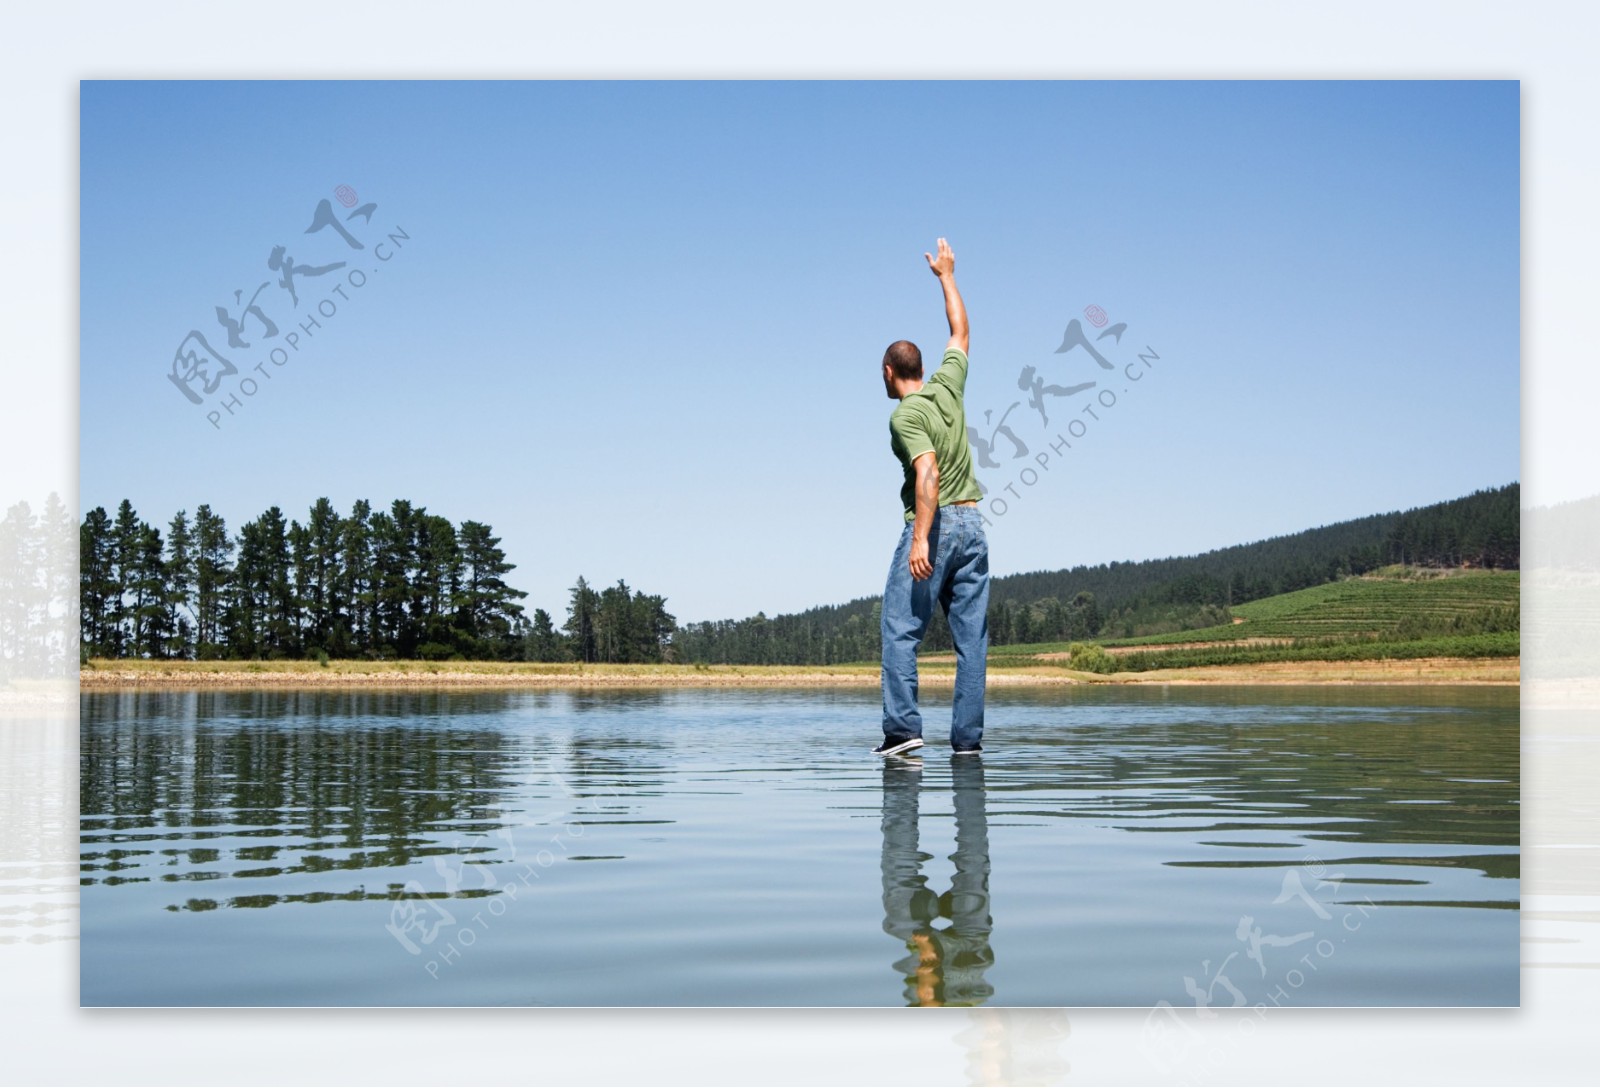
x=308 y=675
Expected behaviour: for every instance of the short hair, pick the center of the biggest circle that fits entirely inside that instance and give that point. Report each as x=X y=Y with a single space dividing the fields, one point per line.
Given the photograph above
x=904 y=359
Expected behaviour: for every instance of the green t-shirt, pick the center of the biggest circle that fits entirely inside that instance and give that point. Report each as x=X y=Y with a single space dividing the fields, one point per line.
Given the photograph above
x=932 y=418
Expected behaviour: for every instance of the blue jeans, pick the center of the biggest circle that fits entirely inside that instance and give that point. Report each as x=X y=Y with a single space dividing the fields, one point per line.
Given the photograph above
x=959 y=553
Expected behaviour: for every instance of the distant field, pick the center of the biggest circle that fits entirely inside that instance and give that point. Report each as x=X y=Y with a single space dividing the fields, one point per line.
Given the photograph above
x=1397 y=613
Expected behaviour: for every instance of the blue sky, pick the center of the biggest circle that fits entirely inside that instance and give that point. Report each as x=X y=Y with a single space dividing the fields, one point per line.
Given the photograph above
x=636 y=326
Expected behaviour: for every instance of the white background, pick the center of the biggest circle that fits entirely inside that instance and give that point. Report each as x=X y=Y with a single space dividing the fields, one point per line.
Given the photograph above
x=46 y=49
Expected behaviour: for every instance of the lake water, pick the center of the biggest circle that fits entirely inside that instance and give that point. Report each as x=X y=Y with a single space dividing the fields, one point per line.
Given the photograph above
x=1112 y=846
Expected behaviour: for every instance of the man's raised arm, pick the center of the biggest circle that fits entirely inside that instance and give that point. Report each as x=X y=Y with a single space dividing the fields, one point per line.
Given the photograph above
x=944 y=266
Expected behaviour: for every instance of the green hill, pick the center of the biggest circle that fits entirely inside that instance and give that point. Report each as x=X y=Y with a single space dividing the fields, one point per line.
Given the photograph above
x=1154 y=597
x=1393 y=612
x=1393 y=601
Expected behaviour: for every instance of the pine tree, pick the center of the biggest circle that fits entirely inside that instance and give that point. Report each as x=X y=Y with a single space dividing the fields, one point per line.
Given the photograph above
x=151 y=636
x=543 y=643
x=301 y=572
x=126 y=540
x=581 y=618
x=328 y=607
x=613 y=619
x=281 y=613
x=245 y=628
x=355 y=586
x=437 y=583
x=391 y=585
x=178 y=574
x=489 y=608
x=213 y=571
x=97 y=584
x=654 y=627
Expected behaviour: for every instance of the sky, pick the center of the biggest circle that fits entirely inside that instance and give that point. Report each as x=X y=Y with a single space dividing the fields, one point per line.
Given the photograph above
x=637 y=327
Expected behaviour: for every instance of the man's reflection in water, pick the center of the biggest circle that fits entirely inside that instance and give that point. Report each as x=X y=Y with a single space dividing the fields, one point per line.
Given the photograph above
x=946 y=963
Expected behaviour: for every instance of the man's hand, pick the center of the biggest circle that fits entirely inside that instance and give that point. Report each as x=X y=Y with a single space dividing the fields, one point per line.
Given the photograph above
x=921 y=569
x=944 y=266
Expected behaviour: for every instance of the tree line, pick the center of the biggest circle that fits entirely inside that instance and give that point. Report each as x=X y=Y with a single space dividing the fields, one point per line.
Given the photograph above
x=395 y=583
x=399 y=583
x=613 y=625
x=403 y=583
x=1148 y=597
x=1483 y=529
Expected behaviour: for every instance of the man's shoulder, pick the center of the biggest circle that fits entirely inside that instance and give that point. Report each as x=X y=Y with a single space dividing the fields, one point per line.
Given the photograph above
x=907 y=411
x=952 y=368
x=915 y=419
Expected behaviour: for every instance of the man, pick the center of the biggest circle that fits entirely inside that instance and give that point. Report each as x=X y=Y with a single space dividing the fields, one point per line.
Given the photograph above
x=943 y=554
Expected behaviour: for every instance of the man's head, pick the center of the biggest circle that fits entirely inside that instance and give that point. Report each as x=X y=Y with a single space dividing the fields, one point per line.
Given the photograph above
x=902 y=369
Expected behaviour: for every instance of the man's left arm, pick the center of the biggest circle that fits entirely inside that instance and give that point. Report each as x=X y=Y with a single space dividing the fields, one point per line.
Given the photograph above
x=927 y=501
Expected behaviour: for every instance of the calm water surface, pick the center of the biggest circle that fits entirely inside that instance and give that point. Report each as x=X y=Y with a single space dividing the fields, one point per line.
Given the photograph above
x=1114 y=846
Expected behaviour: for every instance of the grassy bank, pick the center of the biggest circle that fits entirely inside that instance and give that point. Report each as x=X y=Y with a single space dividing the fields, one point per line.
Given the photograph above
x=935 y=673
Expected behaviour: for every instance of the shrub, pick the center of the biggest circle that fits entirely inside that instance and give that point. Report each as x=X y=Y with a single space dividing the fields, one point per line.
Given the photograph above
x=1090 y=658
